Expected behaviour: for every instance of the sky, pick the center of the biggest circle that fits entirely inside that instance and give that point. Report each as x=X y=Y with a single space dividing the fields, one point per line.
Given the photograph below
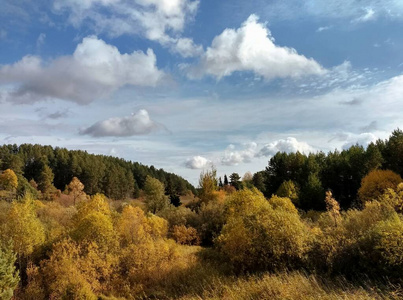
x=187 y=84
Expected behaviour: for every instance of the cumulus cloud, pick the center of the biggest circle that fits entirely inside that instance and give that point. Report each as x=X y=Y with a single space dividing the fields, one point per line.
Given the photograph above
x=93 y=71
x=288 y=145
x=197 y=162
x=349 y=139
x=363 y=139
x=252 y=48
x=162 y=21
x=186 y=47
x=233 y=157
x=138 y=123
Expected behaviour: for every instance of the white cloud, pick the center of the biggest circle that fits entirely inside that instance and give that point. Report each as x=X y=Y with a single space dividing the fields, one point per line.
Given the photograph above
x=233 y=157
x=341 y=9
x=187 y=48
x=40 y=40
x=197 y=162
x=288 y=145
x=324 y=28
x=252 y=48
x=162 y=21
x=369 y=15
x=95 y=70
x=136 y=124
x=363 y=139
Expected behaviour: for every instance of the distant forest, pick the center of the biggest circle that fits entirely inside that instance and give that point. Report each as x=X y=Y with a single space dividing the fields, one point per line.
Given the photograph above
x=114 y=177
x=310 y=175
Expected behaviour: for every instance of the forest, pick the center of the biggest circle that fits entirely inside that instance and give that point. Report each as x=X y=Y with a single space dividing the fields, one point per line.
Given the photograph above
x=321 y=226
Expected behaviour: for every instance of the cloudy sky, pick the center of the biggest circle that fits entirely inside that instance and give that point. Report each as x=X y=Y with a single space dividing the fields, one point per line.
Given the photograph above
x=184 y=84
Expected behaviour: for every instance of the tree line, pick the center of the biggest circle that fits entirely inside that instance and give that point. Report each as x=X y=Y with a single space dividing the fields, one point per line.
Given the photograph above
x=47 y=168
x=309 y=176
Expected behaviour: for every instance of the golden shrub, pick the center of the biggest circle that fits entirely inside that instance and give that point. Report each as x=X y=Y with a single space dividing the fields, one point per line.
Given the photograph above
x=283 y=203
x=185 y=235
x=258 y=237
x=376 y=182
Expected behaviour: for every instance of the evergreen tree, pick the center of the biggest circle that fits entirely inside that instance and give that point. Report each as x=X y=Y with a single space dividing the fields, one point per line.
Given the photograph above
x=236 y=181
x=45 y=182
x=226 y=180
x=8 y=274
x=175 y=200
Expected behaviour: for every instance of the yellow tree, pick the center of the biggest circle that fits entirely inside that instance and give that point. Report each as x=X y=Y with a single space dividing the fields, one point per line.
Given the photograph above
x=97 y=203
x=376 y=182
x=132 y=226
x=76 y=189
x=24 y=228
x=333 y=207
x=208 y=185
x=8 y=180
x=394 y=197
x=93 y=223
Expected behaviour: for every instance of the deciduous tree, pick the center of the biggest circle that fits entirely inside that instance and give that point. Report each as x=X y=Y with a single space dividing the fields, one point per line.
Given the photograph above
x=376 y=182
x=156 y=199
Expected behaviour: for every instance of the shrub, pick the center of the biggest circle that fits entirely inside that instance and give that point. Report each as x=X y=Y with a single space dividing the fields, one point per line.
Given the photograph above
x=382 y=249
x=211 y=219
x=185 y=235
x=394 y=198
x=73 y=271
x=259 y=237
x=178 y=216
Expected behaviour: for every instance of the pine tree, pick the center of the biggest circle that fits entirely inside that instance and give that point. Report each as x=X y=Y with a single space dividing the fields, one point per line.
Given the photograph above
x=8 y=275
x=226 y=180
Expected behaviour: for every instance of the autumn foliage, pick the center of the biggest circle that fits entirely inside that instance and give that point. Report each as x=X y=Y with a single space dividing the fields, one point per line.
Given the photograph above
x=230 y=243
x=376 y=182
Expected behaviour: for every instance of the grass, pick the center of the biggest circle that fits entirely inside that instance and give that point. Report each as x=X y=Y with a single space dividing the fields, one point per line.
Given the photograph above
x=203 y=278
x=285 y=286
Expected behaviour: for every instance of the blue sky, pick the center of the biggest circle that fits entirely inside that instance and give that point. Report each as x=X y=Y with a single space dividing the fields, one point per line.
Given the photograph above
x=184 y=84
